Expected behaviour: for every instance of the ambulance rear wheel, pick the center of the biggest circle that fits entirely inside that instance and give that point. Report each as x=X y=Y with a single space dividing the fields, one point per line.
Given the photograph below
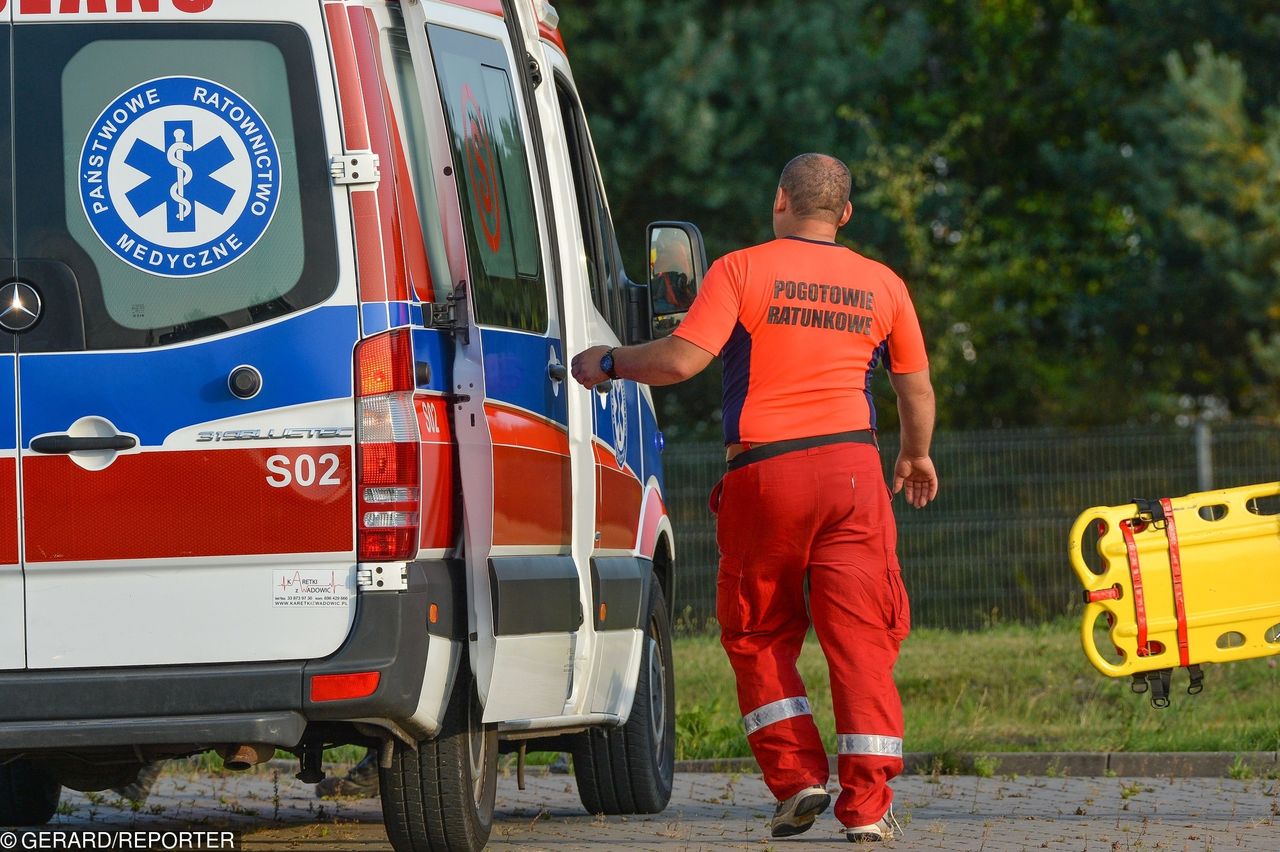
x=629 y=770
x=440 y=797
x=28 y=795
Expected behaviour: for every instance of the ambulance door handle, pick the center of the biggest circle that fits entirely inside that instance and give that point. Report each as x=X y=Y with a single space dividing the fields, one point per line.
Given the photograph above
x=557 y=372
x=63 y=444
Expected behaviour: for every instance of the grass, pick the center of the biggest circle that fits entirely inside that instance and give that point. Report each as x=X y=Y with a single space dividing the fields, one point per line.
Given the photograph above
x=1008 y=688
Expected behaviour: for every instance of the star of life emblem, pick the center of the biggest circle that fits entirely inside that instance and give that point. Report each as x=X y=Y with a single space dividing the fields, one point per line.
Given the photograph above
x=180 y=177
x=618 y=416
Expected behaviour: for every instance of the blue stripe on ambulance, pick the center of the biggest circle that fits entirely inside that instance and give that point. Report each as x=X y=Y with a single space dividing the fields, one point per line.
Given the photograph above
x=8 y=397
x=515 y=372
x=137 y=390
x=435 y=348
x=650 y=453
x=633 y=440
x=381 y=316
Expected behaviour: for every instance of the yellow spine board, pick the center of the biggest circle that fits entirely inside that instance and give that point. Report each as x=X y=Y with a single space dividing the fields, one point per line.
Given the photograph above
x=1230 y=556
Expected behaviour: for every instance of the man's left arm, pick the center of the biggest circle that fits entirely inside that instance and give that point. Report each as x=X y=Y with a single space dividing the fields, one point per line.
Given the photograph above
x=659 y=362
x=916 y=413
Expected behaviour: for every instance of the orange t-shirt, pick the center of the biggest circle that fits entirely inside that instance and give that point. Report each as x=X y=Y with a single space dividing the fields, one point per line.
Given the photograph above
x=800 y=324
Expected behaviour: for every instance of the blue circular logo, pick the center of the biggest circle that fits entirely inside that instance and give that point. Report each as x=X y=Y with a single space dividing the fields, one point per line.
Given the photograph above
x=180 y=177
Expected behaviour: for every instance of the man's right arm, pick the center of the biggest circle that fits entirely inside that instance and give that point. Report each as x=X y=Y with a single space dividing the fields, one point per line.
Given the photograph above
x=916 y=412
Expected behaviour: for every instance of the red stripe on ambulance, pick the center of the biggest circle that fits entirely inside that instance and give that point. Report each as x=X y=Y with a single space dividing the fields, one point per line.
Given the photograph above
x=439 y=517
x=197 y=503
x=372 y=87
x=619 y=495
x=532 y=484
x=390 y=250
x=654 y=512
x=618 y=498
x=355 y=128
x=8 y=501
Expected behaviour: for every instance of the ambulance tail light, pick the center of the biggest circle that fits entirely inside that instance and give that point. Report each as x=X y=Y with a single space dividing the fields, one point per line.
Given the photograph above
x=388 y=492
x=344 y=687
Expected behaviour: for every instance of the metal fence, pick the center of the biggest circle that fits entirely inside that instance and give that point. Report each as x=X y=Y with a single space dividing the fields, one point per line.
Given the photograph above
x=993 y=547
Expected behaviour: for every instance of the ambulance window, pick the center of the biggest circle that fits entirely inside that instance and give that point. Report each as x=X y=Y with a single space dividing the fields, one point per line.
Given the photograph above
x=603 y=264
x=588 y=210
x=409 y=101
x=492 y=168
x=184 y=157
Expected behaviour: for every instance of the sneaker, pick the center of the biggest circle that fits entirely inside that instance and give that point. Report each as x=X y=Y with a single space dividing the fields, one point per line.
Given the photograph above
x=796 y=814
x=885 y=828
x=361 y=781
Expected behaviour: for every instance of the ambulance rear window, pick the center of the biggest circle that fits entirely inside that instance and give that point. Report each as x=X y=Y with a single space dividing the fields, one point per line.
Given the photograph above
x=179 y=172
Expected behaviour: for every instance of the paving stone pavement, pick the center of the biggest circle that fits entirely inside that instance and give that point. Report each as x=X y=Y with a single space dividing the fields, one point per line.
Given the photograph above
x=709 y=811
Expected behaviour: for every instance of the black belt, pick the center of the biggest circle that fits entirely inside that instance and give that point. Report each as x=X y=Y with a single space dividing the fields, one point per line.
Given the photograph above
x=777 y=448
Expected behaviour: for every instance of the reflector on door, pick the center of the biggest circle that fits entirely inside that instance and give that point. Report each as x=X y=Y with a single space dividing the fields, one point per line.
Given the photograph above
x=1180 y=582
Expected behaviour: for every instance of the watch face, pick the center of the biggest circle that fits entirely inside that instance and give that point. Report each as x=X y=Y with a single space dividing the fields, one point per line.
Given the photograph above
x=606 y=363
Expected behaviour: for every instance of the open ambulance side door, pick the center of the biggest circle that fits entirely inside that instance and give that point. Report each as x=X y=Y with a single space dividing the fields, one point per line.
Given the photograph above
x=510 y=384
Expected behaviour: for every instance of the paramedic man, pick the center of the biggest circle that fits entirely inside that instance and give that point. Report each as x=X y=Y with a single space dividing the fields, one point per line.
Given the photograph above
x=799 y=322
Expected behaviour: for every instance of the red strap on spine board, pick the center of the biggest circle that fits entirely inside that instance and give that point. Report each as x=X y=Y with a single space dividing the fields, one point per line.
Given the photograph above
x=1175 y=569
x=1135 y=575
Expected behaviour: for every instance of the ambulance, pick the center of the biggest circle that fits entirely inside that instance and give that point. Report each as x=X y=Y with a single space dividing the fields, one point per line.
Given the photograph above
x=289 y=452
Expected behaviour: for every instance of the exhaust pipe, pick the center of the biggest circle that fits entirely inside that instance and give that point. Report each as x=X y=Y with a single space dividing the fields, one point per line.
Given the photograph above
x=246 y=755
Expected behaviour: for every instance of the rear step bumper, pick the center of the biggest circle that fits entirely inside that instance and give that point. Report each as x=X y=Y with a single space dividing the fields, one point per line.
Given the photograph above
x=283 y=728
x=241 y=702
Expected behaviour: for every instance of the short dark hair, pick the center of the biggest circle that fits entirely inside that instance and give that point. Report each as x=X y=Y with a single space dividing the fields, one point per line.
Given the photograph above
x=817 y=185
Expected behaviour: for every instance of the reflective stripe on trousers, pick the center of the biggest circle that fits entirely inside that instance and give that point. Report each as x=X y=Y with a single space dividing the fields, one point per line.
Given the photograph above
x=874 y=744
x=787 y=708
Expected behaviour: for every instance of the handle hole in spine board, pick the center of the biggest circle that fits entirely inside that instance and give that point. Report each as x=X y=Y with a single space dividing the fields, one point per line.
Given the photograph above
x=1269 y=505
x=1216 y=512
x=1102 y=639
x=1231 y=639
x=1089 y=552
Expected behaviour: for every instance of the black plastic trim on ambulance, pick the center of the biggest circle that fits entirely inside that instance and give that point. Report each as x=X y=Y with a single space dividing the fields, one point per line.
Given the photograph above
x=620 y=584
x=534 y=594
x=237 y=702
x=281 y=728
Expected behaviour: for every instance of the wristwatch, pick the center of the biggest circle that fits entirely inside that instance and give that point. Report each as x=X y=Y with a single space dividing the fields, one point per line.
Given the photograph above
x=606 y=364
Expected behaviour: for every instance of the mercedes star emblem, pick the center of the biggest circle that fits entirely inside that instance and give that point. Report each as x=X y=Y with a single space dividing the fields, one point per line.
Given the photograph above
x=19 y=306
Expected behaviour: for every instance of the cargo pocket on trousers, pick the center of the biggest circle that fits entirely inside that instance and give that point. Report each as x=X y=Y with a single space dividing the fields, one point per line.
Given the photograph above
x=713 y=502
x=899 y=607
x=732 y=610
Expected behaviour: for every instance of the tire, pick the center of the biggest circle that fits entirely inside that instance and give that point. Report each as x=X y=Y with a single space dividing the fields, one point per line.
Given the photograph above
x=439 y=798
x=28 y=795
x=629 y=770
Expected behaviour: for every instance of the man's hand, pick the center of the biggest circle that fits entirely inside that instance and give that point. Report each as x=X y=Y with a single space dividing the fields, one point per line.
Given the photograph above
x=919 y=477
x=586 y=367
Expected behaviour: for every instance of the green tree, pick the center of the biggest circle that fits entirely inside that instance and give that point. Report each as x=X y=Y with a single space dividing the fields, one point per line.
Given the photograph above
x=1227 y=204
x=1081 y=250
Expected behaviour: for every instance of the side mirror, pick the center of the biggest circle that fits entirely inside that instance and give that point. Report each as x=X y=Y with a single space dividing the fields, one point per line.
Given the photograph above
x=677 y=263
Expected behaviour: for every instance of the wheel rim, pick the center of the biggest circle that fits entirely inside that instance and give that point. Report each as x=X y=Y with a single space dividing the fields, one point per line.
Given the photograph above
x=657 y=692
x=477 y=751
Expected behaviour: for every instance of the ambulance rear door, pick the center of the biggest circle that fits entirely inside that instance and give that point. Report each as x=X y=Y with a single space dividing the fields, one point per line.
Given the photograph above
x=12 y=620
x=186 y=420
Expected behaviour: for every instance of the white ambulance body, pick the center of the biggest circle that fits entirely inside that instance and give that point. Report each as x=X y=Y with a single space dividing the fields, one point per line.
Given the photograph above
x=289 y=455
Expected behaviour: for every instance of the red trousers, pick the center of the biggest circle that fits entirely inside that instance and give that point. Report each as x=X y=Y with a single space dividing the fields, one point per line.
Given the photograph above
x=820 y=514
